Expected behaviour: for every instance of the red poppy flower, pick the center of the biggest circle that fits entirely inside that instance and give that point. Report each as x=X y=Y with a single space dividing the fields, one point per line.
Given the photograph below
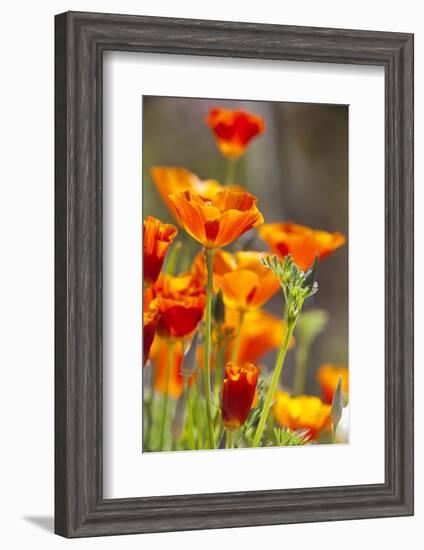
x=234 y=130
x=180 y=302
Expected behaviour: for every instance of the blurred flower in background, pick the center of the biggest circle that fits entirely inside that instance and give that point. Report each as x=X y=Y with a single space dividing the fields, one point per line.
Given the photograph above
x=175 y=382
x=302 y=243
x=234 y=129
x=261 y=333
x=245 y=283
x=328 y=376
x=305 y=412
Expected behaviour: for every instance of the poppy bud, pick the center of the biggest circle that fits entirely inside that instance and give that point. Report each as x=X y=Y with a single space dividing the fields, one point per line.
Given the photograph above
x=310 y=274
x=238 y=392
x=190 y=357
x=328 y=376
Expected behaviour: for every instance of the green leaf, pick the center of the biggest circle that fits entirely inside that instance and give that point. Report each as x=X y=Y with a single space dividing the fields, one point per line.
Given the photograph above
x=296 y=285
x=179 y=417
x=337 y=405
x=310 y=274
x=284 y=437
x=189 y=363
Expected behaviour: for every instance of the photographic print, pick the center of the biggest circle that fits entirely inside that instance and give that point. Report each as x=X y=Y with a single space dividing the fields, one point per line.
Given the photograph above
x=245 y=274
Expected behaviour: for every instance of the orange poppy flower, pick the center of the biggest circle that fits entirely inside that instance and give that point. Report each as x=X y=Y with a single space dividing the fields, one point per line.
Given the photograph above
x=305 y=412
x=261 y=332
x=234 y=129
x=238 y=392
x=248 y=285
x=150 y=319
x=245 y=283
x=171 y=180
x=157 y=237
x=176 y=380
x=218 y=221
x=301 y=242
x=328 y=376
x=180 y=302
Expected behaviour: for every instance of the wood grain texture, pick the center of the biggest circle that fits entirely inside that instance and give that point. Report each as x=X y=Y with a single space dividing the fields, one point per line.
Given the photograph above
x=81 y=39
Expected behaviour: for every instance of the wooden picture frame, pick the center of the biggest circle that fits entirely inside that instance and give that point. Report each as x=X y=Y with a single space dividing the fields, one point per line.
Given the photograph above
x=81 y=39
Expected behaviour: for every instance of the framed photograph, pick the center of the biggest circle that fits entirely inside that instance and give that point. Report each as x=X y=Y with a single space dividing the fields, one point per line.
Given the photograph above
x=234 y=274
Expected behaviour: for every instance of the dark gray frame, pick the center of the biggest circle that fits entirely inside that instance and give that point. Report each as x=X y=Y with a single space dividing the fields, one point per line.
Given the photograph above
x=80 y=40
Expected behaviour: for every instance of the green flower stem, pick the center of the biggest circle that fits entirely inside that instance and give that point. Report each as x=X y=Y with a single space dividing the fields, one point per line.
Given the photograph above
x=208 y=329
x=231 y=168
x=154 y=420
x=171 y=262
x=236 y=345
x=301 y=370
x=311 y=323
x=274 y=382
x=198 y=408
x=149 y=411
x=189 y=417
x=230 y=439
x=219 y=362
x=154 y=427
x=186 y=253
x=166 y=398
x=193 y=412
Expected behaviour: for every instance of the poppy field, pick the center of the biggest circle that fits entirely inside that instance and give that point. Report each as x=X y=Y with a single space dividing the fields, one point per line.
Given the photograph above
x=244 y=302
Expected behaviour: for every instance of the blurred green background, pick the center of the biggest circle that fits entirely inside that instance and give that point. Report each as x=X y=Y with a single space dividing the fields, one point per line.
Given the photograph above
x=298 y=169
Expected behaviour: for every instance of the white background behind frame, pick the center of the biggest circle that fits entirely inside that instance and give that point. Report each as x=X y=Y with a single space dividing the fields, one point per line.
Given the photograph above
x=128 y=472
